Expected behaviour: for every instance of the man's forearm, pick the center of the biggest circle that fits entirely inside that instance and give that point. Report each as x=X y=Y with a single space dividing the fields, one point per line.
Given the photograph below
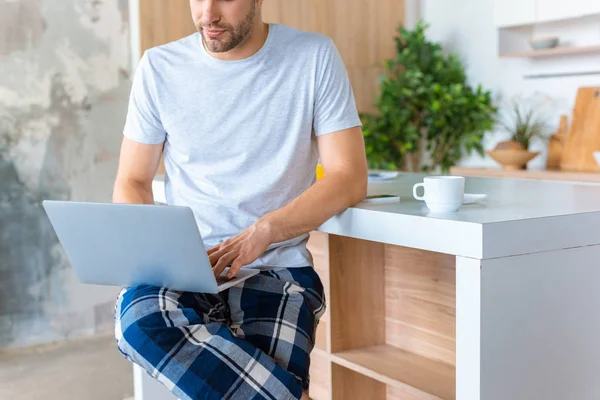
x=131 y=192
x=326 y=198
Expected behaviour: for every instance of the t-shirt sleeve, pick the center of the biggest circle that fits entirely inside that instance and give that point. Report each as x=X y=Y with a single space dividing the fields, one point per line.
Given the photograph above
x=143 y=123
x=335 y=107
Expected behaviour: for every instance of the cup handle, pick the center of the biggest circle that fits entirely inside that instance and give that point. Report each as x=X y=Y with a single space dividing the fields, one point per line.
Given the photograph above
x=416 y=196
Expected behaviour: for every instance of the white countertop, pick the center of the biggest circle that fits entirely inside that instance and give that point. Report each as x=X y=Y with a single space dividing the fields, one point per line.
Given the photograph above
x=508 y=199
x=519 y=217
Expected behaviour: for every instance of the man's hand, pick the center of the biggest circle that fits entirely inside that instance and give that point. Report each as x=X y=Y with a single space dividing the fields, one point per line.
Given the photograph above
x=240 y=250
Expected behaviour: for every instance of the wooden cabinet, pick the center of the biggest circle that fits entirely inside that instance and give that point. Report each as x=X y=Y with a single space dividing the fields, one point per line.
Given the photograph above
x=514 y=12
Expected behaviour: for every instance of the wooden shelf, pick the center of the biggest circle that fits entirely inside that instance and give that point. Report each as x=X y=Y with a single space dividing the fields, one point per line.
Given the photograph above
x=528 y=174
x=557 y=51
x=409 y=372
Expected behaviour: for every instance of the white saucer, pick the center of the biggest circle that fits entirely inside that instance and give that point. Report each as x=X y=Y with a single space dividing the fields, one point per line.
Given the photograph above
x=382 y=175
x=472 y=198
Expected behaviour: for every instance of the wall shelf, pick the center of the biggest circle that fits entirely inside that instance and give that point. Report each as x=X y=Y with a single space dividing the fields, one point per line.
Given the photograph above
x=557 y=51
x=577 y=37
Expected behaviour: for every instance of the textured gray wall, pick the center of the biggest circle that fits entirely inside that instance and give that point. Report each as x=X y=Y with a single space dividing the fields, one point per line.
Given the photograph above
x=64 y=85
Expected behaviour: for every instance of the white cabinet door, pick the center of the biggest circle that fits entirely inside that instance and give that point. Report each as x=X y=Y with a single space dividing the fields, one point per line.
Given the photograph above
x=551 y=10
x=514 y=12
x=588 y=7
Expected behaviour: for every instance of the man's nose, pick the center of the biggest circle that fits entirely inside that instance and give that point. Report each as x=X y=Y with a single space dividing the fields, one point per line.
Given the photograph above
x=210 y=12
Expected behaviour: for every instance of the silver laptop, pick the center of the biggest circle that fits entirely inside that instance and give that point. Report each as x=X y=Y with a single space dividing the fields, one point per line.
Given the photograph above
x=133 y=244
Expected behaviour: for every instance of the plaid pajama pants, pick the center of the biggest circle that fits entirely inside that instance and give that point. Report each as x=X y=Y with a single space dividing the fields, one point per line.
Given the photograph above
x=252 y=341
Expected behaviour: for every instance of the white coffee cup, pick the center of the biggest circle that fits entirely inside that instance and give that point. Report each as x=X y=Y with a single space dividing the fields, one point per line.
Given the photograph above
x=441 y=193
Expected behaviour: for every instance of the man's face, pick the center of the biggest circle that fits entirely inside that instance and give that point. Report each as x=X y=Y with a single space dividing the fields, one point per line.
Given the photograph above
x=223 y=24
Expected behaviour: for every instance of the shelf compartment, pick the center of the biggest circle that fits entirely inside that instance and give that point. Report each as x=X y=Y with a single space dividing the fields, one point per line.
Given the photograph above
x=351 y=385
x=413 y=375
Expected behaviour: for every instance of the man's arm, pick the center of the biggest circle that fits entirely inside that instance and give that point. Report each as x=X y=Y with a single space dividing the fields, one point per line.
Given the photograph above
x=344 y=184
x=138 y=164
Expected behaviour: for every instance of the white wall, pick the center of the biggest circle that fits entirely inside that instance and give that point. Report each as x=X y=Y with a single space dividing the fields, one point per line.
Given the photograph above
x=466 y=27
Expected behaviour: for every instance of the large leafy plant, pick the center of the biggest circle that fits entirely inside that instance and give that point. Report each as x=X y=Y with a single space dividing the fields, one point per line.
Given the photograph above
x=426 y=108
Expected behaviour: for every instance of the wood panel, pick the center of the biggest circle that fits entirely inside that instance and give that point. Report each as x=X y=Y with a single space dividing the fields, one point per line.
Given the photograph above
x=357 y=305
x=350 y=385
x=363 y=31
x=321 y=336
x=164 y=21
x=394 y=393
x=320 y=376
x=318 y=245
x=420 y=289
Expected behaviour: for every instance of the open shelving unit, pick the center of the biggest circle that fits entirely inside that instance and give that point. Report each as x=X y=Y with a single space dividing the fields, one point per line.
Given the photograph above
x=578 y=37
x=389 y=329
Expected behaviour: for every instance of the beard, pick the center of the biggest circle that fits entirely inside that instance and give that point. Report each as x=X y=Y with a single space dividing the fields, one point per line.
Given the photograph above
x=233 y=36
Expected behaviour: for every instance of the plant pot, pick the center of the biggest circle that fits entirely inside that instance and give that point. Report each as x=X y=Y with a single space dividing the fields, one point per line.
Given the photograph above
x=509 y=145
x=512 y=159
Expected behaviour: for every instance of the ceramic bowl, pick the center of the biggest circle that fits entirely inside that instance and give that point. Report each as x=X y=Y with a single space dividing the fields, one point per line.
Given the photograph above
x=512 y=159
x=543 y=43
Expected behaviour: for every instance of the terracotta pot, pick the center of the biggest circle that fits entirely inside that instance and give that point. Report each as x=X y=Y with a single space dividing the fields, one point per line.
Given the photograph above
x=512 y=159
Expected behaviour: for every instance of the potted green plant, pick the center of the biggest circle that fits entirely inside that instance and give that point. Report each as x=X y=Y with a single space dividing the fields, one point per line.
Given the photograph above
x=523 y=125
x=428 y=116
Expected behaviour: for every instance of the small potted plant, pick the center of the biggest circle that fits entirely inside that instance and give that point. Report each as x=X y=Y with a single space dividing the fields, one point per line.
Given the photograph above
x=523 y=126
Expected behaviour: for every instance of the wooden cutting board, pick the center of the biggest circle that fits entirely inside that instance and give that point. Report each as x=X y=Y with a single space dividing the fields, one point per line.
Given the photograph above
x=556 y=145
x=584 y=134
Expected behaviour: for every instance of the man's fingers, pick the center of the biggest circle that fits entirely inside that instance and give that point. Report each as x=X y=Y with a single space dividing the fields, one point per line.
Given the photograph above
x=223 y=263
x=215 y=256
x=213 y=249
x=235 y=267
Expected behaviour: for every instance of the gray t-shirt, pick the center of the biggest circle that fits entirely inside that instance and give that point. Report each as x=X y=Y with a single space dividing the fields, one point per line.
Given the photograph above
x=240 y=136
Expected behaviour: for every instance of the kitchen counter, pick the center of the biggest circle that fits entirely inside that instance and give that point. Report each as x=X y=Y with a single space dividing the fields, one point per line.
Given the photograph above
x=518 y=217
x=496 y=301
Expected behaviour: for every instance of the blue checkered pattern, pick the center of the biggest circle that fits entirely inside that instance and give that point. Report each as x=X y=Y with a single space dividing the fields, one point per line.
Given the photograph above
x=252 y=341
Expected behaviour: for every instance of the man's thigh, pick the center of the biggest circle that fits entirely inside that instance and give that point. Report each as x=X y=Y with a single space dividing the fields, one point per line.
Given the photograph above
x=278 y=312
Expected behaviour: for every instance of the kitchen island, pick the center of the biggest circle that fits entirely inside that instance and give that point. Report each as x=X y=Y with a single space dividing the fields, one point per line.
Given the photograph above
x=496 y=301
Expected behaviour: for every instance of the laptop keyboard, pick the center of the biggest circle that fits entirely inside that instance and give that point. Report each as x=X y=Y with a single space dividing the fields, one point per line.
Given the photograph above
x=223 y=279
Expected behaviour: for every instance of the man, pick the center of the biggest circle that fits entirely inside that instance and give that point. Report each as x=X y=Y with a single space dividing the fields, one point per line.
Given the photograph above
x=241 y=111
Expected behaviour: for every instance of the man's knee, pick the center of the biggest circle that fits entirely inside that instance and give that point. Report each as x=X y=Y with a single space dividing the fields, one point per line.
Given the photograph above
x=131 y=330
